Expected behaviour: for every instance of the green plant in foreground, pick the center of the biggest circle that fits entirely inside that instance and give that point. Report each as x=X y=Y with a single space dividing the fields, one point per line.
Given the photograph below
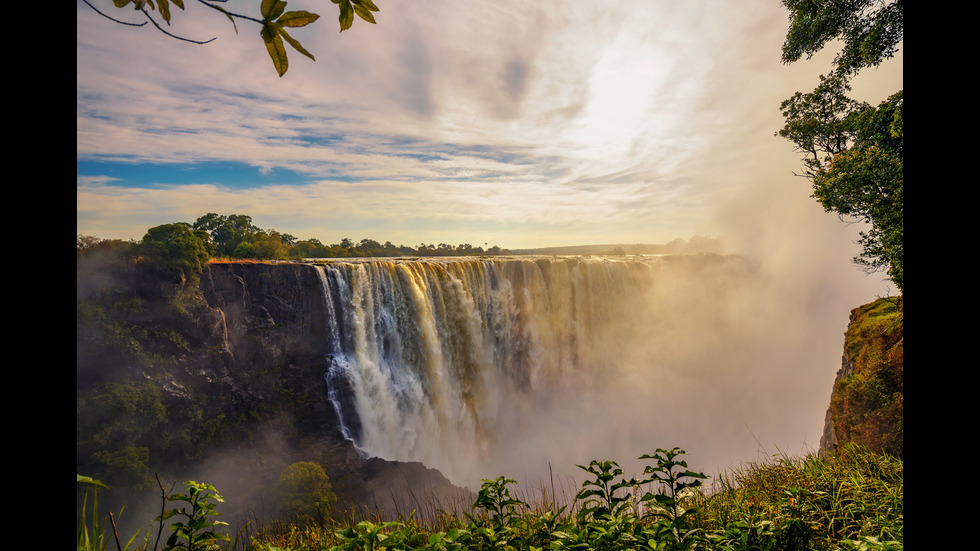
x=851 y=501
x=195 y=532
x=95 y=536
x=495 y=498
x=601 y=496
x=666 y=507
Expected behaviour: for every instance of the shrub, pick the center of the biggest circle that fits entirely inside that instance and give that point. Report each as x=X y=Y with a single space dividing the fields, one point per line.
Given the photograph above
x=304 y=493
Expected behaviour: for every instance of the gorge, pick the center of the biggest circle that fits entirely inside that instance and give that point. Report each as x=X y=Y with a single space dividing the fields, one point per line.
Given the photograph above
x=502 y=365
x=385 y=369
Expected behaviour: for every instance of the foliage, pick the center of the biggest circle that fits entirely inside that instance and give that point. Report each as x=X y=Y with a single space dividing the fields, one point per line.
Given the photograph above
x=226 y=232
x=667 y=506
x=194 y=530
x=869 y=30
x=821 y=123
x=853 y=152
x=866 y=182
x=495 y=499
x=93 y=534
x=273 y=22
x=179 y=255
x=852 y=499
x=115 y=423
x=813 y=502
x=176 y=250
x=304 y=493
x=601 y=496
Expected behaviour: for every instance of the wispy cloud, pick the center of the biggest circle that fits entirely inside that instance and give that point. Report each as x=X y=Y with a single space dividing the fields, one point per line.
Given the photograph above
x=590 y=117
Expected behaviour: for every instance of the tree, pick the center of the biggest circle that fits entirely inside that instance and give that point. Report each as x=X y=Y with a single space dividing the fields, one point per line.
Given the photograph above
x=305 y=494
x=176 y=250
x=869 y=29
x=866 y=181
x=265 y=246
x=116 y=423
x=226 y=232
x=273 y=22
x=822 y=123
x=853 y=152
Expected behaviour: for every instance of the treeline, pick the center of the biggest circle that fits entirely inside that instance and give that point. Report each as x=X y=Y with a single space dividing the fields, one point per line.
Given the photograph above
x=234 y=236
x=182 y=249
x=313 y=248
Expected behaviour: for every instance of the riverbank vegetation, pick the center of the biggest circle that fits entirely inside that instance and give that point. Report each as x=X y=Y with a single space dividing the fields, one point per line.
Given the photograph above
x=852 y=499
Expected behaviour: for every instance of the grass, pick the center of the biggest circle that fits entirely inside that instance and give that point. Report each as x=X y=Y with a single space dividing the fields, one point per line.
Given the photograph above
x=835 y=502
x=850 y=500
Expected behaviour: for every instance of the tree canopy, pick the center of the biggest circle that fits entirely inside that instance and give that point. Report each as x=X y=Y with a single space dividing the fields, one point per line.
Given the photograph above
x=870 y=30
x=273 y=20
x=179 y=251
x=176 y=250
x=852 y=151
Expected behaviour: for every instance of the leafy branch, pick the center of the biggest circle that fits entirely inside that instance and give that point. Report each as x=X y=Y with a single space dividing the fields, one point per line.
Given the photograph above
x=274 y=21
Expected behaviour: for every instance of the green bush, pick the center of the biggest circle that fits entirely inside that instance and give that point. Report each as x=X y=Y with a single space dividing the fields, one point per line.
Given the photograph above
x=116 y=424
x=304 y=493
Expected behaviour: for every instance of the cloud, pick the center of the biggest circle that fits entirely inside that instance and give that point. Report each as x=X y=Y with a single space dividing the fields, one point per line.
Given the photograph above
x=650 y=116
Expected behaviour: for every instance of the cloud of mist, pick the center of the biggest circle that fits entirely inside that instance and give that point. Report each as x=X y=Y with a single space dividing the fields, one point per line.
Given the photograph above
x=728 y=360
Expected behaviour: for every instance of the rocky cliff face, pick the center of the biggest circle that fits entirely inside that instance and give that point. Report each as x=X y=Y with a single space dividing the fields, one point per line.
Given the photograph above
x=828 y=440
x=866 y=404
x=272 y=313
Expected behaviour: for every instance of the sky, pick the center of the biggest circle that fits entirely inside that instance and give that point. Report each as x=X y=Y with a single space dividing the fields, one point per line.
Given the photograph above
x=513 y=123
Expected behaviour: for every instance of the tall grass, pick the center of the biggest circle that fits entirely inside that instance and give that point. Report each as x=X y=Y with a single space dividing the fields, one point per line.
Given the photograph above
x=96 y=533
x=834 y=502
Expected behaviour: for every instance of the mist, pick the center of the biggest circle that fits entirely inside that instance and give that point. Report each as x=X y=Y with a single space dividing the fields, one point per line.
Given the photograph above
x=731 y=358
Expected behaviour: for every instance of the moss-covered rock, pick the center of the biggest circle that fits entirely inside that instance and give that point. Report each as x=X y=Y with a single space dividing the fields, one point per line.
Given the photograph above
x=867 y=401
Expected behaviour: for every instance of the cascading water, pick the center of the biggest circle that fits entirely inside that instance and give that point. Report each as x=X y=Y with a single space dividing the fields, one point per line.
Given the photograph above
x=445 y=361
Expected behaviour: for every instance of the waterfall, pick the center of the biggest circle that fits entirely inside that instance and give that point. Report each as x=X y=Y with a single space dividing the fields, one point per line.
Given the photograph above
x=441 y=361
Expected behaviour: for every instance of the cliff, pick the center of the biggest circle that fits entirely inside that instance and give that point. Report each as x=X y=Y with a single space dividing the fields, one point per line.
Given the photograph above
x=233 y=372
x=866 y=404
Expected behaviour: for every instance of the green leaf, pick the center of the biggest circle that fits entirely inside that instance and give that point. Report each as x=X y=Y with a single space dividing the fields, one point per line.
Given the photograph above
x=346 y=15
x=363 y=12
x=164 y=8
x=89 y=480
x=296 y=45
x=271 y=9
x=368 y=4
x=277 y=51
x=297 y=18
